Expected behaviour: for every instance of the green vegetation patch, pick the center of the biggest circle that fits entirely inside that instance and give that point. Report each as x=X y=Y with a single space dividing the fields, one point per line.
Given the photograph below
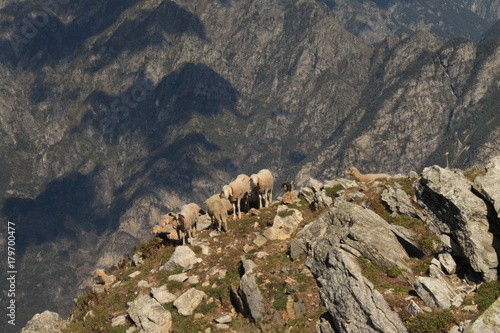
x=431 y=322
x=487 y=293
x=332 y=191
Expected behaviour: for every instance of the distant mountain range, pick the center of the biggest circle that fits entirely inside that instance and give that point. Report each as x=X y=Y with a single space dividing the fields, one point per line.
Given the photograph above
x=114 y=112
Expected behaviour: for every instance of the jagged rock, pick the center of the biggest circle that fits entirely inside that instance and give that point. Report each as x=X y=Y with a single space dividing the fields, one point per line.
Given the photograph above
x=413 y=309
x=324 y=324
x=223 y=319
x=143 y=284
x=297 y=249
x=489 y=321
x=315 y=184
x=489 y=184
x=399 y=202
x=363 y=230
x=348 y=296
x=462 y=215
x=299 y=308
x=260 y=241
x=447 y=263
x=434 y=292
x=45 y=322
x=189 y=301
x=183 y=257
x=203 y=222
x=162 y=295
x=284 y=224
x=137 y=259
x=178 y=277
x=149 y=315
x=118 y=321
x=248 y=297
x=261 y=254
x=316 y=196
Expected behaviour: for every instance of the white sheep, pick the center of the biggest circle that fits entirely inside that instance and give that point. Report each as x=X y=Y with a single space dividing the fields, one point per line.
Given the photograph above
x=217 y=209
x=237 y=190
x=262 y=184
x=186 y=220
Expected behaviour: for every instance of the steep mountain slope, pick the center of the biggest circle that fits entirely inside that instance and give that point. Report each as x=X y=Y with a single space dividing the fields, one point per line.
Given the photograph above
x=114 y=113
x=374 y=20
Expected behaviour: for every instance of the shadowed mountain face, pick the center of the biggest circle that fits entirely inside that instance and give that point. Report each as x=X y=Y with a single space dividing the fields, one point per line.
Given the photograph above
x=112 y=113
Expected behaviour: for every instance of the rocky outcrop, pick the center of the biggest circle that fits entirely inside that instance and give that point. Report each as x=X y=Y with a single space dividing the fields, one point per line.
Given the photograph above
x=489 y=185
x=462 y=215
x=248 y=297
x=285 y=223
x=46 y=322
x=334 y=241
x=349 y=297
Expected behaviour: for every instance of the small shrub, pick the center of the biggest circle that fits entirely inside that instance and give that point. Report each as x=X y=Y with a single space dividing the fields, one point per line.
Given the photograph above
x=431 y=322
x=394 y=272
x=487 y=293
x=280 y=301
x=426 y=243
x=285 y=213
x=332 y=191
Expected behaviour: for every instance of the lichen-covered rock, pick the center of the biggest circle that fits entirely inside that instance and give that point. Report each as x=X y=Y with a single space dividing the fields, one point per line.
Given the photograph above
x=350 y=298
x=489 y=321
x=45 y=322
x=462 y=215
x=149 y=315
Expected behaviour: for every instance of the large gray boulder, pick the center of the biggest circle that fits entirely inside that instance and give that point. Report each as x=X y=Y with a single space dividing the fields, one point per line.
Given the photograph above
x=489 y=185
x=350 y=298
x=149 y=315
x=183 y=257
x=285 y=223
x=45 y=322
x=398 y=201
x=362 y=230
x=462 y=215
x=189 y=301
x=489 y=321
x=248 y=297
x=434 y=292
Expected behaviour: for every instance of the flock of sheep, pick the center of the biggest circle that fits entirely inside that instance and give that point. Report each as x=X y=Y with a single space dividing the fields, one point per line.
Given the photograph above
x=237 y=193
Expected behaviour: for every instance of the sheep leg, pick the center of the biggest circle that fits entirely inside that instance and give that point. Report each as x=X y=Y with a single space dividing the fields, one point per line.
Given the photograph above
x=234 y=211
x=239 y=208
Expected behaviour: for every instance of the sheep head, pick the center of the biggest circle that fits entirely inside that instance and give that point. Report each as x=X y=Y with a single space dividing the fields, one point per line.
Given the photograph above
x=226 y=193
x=254 y=181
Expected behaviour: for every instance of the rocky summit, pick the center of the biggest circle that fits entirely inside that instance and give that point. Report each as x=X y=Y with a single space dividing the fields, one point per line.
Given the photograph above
x=113 y=113
x=410 y=253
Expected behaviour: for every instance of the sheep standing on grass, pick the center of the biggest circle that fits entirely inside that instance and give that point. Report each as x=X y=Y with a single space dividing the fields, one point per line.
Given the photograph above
x=237 y=191
x=217 y=209
x=262 y=183
x=365 y=178
x=186 y=220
